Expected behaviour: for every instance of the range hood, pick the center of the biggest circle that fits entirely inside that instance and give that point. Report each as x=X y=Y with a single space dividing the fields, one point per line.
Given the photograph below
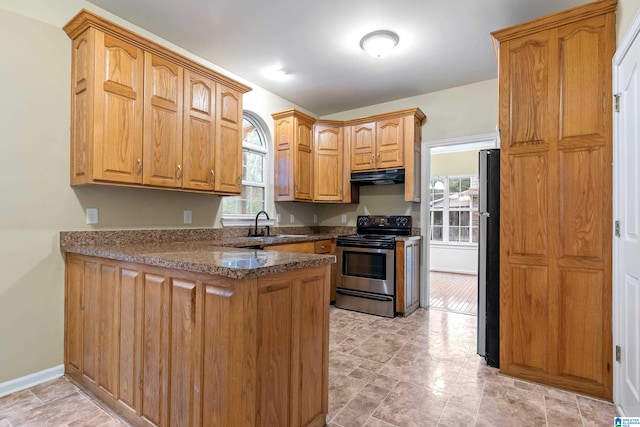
x=389 y=176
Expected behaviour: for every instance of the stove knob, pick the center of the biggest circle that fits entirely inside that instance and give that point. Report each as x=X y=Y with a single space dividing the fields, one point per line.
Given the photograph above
x=402 y=221
x=362 y=221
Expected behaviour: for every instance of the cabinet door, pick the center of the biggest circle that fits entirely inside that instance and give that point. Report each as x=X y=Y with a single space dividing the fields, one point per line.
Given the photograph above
x=555 y=244
x=117 y=126
x=284 y=159
x=199 y=132
x=228 y=157
x=303 y=163
x=363 y=142
x=162 y=122
x=328 y=163
x=389 y=143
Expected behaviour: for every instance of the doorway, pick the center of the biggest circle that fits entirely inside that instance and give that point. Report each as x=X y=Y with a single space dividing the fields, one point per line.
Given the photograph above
x=448 y=215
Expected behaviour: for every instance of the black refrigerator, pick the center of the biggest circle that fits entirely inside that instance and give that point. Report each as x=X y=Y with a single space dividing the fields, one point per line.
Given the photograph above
x=489 y=257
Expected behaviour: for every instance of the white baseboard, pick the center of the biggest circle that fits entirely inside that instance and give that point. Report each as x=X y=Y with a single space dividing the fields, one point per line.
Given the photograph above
x=31 y=380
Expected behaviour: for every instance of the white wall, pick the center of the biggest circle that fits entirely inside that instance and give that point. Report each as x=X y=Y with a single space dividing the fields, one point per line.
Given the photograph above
x=36 y=199
x=626 y=11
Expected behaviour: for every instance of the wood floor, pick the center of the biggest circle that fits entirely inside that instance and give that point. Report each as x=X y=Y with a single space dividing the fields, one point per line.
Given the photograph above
x=454 y=292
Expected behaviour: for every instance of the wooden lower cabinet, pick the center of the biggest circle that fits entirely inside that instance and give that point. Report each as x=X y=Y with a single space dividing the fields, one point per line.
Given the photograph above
x=408 y=275
x=172 y=348
x=327 y=247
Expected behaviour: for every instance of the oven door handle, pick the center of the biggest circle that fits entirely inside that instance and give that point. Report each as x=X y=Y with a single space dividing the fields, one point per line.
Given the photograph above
x=364 y=295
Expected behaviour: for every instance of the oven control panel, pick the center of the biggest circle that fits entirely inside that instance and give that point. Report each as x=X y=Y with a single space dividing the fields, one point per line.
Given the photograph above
x=383 y=221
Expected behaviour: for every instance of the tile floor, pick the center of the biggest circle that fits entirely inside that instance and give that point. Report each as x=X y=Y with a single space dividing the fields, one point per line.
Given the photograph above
x=415 y=371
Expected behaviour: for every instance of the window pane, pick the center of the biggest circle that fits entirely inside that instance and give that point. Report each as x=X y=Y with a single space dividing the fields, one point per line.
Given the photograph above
x=252 y=166
x=464 y=218
x=454 y=234
x=464 y=234
x=454 y=218
x=436 y=217
x=249 y=203
x=436 y=189
x=436 y=233
x=250 y=134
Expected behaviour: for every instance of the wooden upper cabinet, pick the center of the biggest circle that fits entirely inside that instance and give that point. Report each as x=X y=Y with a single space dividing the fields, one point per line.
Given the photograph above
x=328 y=167
x=162 y=123
x=555 y=214
x=294 y=156
x=303 y=163
x=389 y=143
x=228 y=164
x=107 y=98
x=144 y=115
x=199 y=132
x=319 y=168
x=363 y=146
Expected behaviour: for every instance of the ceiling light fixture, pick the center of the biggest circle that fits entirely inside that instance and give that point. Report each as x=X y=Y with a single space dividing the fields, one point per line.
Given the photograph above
x=379 y=43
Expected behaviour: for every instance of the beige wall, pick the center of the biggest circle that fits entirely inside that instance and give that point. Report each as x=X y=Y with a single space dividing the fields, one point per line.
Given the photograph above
x=461 y=111
x=461 y=163
x=37 y=201
x=627 y=10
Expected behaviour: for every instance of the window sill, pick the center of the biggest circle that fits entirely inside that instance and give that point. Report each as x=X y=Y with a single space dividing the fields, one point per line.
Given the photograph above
x=246 y=221
x=457 y=245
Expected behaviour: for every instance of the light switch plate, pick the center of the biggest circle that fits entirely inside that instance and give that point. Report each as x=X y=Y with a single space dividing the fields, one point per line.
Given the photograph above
x=292 y=219
x=188 y=217
x=344 y=219
x=92 y=215
x=315 y=218
x=278 y=218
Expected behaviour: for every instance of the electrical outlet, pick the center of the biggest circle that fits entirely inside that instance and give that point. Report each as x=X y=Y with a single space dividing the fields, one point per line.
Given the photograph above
x=315 y=218
x=188 y=217
x=92 y=215
x=292 y=219
x=344 y=219
x=278 y=218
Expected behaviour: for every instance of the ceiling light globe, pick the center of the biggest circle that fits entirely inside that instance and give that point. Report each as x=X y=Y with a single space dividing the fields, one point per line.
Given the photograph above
x=379 y=43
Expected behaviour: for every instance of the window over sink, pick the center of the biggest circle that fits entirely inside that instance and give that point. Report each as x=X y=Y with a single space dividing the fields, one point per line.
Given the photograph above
x=255 y=151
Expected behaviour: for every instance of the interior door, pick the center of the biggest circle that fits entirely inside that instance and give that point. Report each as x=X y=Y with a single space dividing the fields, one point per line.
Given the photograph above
x=628 y=243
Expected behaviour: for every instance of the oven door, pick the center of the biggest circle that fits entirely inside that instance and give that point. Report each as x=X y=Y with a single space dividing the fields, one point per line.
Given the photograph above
x=366 y=269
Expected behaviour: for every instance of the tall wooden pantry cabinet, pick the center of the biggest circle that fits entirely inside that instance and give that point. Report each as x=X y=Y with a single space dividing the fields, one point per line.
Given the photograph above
x=555 y=106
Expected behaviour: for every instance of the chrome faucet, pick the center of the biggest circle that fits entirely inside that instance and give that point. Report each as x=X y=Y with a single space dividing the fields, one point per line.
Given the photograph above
x=255 y=230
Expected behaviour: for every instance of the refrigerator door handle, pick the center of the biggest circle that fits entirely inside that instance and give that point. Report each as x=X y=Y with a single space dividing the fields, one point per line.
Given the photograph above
x=487 y=214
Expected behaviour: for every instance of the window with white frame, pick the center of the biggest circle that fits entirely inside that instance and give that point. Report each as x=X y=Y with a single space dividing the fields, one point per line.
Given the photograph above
x=453 y=204
x=254 y=173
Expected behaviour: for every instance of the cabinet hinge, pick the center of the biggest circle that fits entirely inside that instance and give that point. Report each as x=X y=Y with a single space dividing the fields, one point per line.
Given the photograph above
x=618 y=353
x=616 y=228
x=616 y=102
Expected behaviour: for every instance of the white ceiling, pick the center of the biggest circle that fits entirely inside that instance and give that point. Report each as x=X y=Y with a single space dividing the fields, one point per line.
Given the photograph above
x=443 y=43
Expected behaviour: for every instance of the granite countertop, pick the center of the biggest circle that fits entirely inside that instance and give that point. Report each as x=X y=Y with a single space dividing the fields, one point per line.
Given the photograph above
x=217 y=257
x=277 y=239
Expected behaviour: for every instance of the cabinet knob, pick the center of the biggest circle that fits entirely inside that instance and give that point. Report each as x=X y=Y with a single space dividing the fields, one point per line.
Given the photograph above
x=179 y=177
x=377 y=157
x=373 y=158
x=139 y=169
x=213 y=176
x=239 y=179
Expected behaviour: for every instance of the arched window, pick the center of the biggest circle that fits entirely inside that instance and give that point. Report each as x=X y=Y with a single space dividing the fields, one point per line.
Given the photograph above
x=254 y=171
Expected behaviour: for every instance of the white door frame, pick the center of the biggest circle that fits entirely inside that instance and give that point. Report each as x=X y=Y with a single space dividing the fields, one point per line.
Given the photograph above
x=486 y=140
x=621 y=51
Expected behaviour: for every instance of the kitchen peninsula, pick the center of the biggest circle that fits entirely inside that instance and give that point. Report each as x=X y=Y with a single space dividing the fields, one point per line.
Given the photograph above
x=195 y=333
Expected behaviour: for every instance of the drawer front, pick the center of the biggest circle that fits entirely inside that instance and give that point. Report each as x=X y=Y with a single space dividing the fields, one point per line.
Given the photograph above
x=323 y=246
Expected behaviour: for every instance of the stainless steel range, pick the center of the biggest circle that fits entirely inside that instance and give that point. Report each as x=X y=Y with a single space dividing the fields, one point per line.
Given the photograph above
x=366 y=264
